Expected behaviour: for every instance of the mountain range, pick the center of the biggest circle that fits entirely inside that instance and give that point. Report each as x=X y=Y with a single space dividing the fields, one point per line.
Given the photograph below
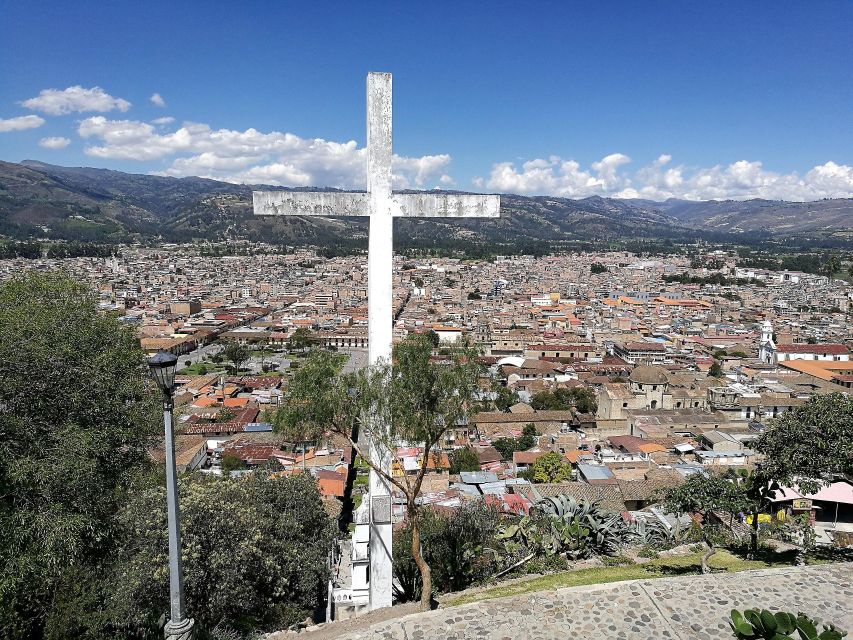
x=42 y=201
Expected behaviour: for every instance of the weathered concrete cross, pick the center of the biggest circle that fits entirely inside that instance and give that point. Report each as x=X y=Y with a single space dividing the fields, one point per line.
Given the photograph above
x=381 y=204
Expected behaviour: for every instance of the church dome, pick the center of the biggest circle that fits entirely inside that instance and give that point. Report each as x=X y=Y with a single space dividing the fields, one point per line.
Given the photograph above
x=649 y=374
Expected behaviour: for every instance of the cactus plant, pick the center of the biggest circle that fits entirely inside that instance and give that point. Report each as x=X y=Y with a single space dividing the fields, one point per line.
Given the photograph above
x=752 y=624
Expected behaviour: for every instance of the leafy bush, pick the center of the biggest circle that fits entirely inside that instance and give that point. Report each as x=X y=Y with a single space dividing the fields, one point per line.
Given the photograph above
x=545 y=564
x=454 y=546
x=778 y=626
x=254 y=552
x=464 y=459
x=551 y=467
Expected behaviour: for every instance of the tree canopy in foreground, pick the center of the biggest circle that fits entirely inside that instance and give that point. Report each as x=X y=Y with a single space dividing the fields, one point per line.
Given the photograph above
x=75 y=423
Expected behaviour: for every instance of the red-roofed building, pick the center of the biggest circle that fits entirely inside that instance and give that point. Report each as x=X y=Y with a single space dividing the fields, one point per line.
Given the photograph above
x=522 y=460
x=330 y=483
x=802 y=351
x=510 y=503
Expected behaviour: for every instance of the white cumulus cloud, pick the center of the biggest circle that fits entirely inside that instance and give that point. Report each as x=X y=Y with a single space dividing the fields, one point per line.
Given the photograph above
x=559 y=177
x=20 y=123
x=251 y=156
x=57 y=102
x=54 y=142
x=163 y=121
x=157 y=100
x=659 y=180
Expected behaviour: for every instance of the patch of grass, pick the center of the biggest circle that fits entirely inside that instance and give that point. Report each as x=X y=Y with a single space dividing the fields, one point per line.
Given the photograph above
x=195 y=369
x=722 y=560
x=616 y=561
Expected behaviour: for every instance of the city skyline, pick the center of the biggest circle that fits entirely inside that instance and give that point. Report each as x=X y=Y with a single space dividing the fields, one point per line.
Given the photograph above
x=742 y=103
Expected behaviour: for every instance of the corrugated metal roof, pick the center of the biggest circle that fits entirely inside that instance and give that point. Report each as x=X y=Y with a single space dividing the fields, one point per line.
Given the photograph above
x=477 y=477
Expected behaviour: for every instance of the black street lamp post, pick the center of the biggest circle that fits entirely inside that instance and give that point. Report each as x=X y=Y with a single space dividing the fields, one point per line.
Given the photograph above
x=179 y=627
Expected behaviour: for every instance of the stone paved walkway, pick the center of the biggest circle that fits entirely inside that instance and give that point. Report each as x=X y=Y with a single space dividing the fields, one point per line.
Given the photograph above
x=681 y=608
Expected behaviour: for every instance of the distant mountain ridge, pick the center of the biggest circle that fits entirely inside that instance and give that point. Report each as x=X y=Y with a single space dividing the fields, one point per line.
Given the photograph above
x=43 y=201
x=776 y=216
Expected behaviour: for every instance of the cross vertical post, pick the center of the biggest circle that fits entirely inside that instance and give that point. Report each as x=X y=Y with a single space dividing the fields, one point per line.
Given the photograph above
x=380 y=263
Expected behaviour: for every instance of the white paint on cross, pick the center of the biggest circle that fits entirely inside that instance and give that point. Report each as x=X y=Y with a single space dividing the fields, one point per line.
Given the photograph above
x=382 y=205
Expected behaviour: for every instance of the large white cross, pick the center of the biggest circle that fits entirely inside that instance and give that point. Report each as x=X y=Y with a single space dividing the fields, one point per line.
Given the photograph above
x=381 y=204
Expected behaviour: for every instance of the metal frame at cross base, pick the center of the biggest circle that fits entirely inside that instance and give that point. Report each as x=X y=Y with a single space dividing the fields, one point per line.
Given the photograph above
x=382 y=205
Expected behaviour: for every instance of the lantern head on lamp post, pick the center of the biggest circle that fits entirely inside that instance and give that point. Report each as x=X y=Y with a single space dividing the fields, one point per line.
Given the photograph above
x=163 y=366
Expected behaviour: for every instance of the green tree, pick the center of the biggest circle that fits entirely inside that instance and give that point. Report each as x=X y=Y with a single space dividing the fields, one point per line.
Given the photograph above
x=464 y=459
x=715 y=370
x=301 y=340
x=231 y=462
x=255 y=552
x=831 y=265
x=237 y=354
x=504 y=397
x=702 y=493
x=551 y=467
x=810 y=444
x=225 y=415
x=507 y=446
x=581 y=398
x=597 y=267
x=433 y=338
x=75 y=424
x=416 y=400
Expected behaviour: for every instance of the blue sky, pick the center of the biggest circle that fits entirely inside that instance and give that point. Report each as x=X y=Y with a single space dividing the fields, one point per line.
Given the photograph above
x=633 y=99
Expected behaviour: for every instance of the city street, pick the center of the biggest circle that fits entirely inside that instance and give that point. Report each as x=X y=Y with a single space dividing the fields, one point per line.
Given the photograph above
x=357 y=360
x=199 y=354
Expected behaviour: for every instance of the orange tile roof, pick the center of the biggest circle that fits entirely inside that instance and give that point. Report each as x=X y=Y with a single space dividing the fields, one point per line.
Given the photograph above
x=651 y=448
x=574 y=456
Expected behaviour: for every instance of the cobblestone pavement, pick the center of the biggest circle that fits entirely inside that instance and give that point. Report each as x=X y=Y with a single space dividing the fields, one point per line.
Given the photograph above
x=681 y=608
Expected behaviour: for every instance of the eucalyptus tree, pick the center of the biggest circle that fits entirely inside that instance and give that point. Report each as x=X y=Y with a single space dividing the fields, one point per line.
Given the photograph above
x=413 y=400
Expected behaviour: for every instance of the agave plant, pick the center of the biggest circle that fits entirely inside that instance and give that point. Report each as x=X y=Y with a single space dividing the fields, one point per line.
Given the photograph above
x=779 y=626
x=653 y=533
x=565 y=526
x=608 y=532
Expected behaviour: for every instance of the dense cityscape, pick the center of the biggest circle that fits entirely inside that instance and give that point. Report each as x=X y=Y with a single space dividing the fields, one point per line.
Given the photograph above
x=426 y=321
x=609 y=378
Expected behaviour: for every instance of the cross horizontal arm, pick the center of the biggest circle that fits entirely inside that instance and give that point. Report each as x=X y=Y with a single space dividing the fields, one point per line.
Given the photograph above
x=311 y=203
x=346 y=203
x=446 y=205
